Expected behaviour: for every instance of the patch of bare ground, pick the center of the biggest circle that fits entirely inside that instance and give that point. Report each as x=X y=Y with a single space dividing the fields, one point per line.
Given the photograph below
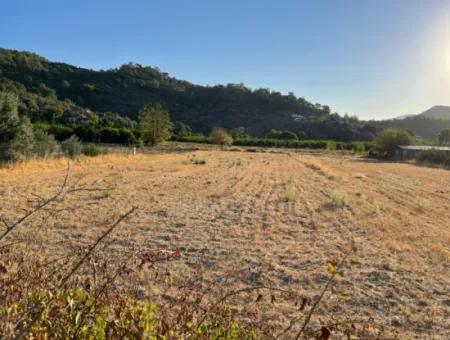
x=276 y=219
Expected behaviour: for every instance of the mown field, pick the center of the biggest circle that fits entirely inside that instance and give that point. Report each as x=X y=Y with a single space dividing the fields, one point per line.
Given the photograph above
x=260 y=233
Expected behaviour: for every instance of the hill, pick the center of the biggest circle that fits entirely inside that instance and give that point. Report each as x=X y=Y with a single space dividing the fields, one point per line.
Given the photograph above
x=58 y=92
x=437 y=112
x=427 y=124
x=422 y=127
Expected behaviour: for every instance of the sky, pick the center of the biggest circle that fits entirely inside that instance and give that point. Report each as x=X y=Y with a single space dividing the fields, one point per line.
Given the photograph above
x=370 y=58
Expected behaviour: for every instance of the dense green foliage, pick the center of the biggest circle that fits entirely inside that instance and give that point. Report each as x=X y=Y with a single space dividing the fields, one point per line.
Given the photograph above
x=279 y=143
x=181 y=129
x=435 y=156
x=444 y=137
x=276 y=134
x=77 y=314
x=91 y=150
x=64 y=94
x=18 y=139
x=155 y=125
x=388 y=140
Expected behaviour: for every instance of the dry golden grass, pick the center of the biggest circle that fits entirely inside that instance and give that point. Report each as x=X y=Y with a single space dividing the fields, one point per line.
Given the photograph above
x=270 y=213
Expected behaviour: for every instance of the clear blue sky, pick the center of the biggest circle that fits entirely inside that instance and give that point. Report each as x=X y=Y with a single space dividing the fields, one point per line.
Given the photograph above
x=372 y=58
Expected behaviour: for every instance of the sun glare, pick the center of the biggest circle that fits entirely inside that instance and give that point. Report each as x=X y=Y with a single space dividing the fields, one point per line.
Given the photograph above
x=448 y=60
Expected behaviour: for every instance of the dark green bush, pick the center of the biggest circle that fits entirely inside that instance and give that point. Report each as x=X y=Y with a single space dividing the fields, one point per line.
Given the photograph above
x=61 y=132
x=283 y=135
x=87 y=133
x=117 y=136
x=92 y=150
x=192 y=139
x=435 y=156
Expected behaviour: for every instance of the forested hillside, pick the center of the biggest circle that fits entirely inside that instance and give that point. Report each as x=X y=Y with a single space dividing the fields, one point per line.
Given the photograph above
x=61 y=93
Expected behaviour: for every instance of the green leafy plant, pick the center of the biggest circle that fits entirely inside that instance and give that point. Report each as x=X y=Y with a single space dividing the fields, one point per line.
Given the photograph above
x=388 y=140
x=92 y=150
x=193 y=159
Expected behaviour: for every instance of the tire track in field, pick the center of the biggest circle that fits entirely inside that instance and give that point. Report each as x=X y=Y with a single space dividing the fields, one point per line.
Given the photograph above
x=400 y=195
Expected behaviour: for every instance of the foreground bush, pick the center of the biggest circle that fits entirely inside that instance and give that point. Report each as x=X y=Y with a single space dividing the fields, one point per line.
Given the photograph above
x=77 y=313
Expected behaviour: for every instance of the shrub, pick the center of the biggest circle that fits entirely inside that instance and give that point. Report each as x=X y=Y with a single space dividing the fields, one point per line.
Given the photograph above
x=91 y=150
x=45 y=145
x=22 y=145
x=435 y=156
x=388 y=140
x=338 y=199
x=358 y=147
x=87 y=133
x=181 y=129
x=72 y=147
x=61 y=132
x=117 y=136
x=331 y=145
x=198 y=138
x=221 y=137
x=286 y=135
x=195 y=160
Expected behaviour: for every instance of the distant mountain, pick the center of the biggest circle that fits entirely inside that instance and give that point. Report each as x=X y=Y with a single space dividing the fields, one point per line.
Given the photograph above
x=62 y=93
x=427 y=124
x=437 y=112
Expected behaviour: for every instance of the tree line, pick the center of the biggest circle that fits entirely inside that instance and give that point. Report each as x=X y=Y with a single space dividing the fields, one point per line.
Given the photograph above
x=57 y=93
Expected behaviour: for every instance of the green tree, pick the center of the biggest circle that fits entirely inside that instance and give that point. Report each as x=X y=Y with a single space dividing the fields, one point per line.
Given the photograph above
x=16 y=135
x=23 y=142
x=388 y=140
x=444 y=137
x=221 y=137
x=154 y=124
x=9 y=123
x=238 y=133
x=181 y=129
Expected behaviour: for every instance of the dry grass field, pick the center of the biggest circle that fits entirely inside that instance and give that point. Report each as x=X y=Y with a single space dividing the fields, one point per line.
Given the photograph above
x=252 y=219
